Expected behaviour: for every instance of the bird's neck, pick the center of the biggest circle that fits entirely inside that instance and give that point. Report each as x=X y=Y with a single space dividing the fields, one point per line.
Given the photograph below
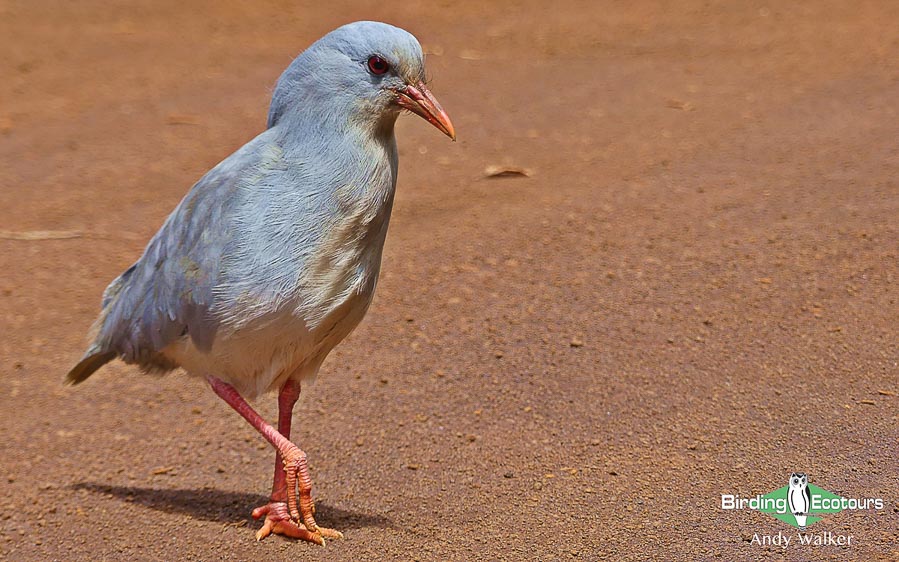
x=381 y=128
x=358 y=127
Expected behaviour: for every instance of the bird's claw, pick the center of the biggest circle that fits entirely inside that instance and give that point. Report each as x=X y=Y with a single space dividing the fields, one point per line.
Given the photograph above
x=295 y=516
x=278 y=522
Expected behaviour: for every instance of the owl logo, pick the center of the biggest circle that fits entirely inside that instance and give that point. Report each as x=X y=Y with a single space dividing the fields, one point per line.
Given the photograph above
x=799 y=498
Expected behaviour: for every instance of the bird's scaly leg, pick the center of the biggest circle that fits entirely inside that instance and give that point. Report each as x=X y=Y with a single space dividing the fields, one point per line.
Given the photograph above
x=277 y=515
x=288 y=396
x=292 y=481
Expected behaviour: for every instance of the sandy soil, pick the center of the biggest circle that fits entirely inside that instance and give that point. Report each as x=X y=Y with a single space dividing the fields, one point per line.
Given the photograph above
x=694 y=292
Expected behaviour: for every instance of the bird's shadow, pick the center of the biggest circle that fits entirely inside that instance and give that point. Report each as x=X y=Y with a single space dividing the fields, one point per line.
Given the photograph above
x=225 y=507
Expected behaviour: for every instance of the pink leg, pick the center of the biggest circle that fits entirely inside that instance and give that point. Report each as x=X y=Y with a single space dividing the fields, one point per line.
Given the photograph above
x=288 y=396
x=292 y=481
x=277 y=515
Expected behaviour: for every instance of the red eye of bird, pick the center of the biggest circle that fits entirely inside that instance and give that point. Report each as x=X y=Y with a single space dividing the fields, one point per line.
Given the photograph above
x=377 y=65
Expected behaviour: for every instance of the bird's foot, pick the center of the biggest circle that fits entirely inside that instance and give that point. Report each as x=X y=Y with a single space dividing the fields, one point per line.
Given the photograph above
x=278 y=522
x=295 y=516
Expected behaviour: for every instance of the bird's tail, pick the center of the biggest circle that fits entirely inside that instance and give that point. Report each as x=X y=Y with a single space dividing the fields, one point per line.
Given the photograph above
x=92 y=360
x=98 y=354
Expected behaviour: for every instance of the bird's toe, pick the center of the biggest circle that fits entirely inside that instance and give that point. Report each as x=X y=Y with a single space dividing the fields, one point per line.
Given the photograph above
x=330 y=533
x=278 y=522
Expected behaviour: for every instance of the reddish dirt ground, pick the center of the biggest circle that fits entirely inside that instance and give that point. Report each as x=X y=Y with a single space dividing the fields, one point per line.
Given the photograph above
x=694 y=292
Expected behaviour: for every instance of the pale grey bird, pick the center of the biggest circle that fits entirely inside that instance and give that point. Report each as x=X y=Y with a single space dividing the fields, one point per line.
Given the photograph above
x=271 y=259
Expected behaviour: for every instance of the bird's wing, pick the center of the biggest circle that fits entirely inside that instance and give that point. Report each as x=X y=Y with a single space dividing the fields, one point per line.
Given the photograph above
x=168 y=292
x=808 y=499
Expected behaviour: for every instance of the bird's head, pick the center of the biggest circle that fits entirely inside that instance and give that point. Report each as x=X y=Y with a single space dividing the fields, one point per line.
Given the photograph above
x=798 y=479
x=363 y=73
